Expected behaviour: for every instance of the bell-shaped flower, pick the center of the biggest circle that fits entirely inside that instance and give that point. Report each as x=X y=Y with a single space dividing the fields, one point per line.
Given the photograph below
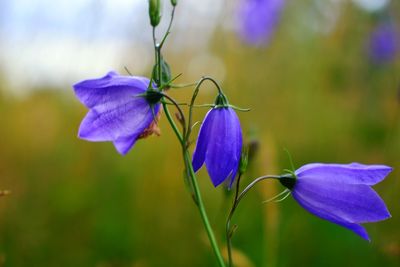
x=119 y=111
x=340 y=193
x=219 y=145
x=258 y=19
x=384 y=43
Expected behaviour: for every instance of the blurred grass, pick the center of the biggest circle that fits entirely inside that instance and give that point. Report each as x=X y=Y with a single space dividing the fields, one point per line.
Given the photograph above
x=76 y=203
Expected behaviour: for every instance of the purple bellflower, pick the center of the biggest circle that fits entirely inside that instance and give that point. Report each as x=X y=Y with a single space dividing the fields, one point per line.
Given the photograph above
x=258 y=19
x=219 y=144
x=340 y=193
x=384 y=43
x=119 y=111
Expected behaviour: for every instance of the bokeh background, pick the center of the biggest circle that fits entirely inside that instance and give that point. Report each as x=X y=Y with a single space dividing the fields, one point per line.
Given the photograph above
x=319 y=86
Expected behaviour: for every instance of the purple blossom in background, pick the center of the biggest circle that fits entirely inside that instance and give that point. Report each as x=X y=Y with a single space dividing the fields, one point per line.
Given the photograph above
x=116 y=112
x=258 y=19
x=384 y=43
x=341 y=193
x=219 y=145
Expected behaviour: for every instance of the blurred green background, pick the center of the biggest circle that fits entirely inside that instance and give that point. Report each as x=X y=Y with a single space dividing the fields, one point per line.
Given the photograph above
x=75 y=203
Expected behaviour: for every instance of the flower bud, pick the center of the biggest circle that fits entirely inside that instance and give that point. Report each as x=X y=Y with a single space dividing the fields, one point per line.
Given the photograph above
x=155 y=12
x=244 y=161
x=174 y=2
x=165 y=73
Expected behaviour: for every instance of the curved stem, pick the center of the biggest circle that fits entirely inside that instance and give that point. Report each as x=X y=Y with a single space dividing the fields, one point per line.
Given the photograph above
x=182 y=116
x=252 y=184
x=238 y=197
x=195 y=93
x=207 y=78
x=228 y=230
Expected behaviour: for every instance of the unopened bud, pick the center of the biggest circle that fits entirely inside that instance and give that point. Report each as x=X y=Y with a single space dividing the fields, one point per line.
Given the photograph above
x=155 y=12
x=174 y=2
x=165 y=73
x=244 y=160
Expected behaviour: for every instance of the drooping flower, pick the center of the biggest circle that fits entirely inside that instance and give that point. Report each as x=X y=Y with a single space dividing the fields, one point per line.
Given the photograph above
x=384 y=43
x=340 y=193
x=119 y=111
x=258 y=19
x=219 y=145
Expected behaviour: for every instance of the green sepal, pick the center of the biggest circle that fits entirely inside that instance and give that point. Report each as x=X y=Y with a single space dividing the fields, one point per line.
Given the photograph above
x=153 y=96
x=221 y=100
x=288 y=180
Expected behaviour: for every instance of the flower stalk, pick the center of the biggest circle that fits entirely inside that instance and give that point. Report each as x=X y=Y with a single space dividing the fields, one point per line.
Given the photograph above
x=236 y=200
x=183 y=138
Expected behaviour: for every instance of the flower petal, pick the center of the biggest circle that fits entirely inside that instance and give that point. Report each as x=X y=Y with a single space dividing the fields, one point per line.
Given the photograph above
x=353 y=173
x=222 y=156
x=349 y=202
x=110 y=91
x=258 y=20
x=122 y=125
x=124 y=144
x=315 y=209
x=238 y=146
x=202 y=141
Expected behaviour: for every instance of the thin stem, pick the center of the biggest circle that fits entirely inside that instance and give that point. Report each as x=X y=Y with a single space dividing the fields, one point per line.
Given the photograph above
x=172 y=123
x=253 y=183
x=238 y=197
x=155 y=43
x=193 y=183
x=195 y=93
x=183 y=141
x=169 y=27
x=187 y=104
x=182 y=116
x=228 y=230
x=180 y=86
x=207 y=78
x=158 y=55
x=203 y=212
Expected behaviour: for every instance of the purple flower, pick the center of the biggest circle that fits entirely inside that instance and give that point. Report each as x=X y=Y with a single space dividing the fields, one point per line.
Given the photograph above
x=219 y=145
x=340 y=193
x=258 y=20
x=118 y=110
x=384 y=43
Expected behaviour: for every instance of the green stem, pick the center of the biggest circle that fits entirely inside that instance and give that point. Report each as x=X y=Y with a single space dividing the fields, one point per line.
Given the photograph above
x=195 y=93
x=169 y=28
x=203 y=212
x=180 y=86
x=253 y=183
x=172 y=123
x=196 y=190
x=228 y=230
x=183 y=140
x=238 y=197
